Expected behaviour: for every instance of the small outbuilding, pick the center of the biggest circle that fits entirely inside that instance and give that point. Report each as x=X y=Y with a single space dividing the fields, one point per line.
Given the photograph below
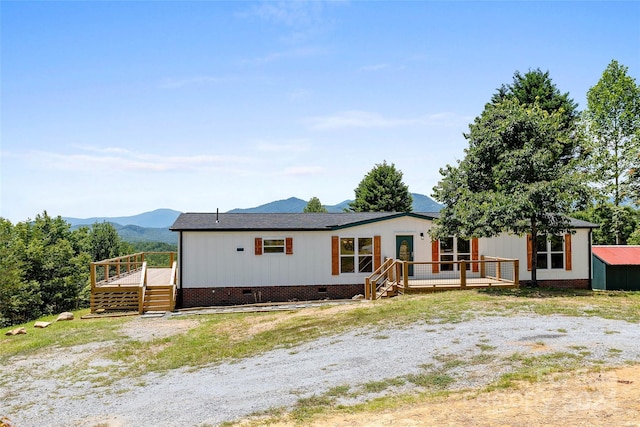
x=616 y=268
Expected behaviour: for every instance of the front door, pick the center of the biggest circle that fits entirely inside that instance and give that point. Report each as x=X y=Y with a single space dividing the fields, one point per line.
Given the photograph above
x=404 y=250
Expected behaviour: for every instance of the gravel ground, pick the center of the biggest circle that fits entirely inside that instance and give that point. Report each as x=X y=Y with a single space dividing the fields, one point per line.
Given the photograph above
x=231 y=391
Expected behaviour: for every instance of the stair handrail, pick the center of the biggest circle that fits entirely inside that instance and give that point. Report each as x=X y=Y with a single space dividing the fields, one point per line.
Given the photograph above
x=142 y=287
x=371 y=283
x=174 y=279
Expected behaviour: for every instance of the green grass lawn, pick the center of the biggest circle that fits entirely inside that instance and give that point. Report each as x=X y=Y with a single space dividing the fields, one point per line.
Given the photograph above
x=219 y=337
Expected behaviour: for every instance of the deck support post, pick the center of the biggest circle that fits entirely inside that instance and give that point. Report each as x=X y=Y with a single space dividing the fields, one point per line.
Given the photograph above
x=405 y=274
x=482 y=267
x=367 y=288
x=516 y=273
x=463 y=274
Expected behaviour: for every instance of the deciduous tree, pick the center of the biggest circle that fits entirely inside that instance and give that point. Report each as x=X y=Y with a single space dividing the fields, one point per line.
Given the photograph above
x=612 y=125
x=518 y=175
x=19 y=299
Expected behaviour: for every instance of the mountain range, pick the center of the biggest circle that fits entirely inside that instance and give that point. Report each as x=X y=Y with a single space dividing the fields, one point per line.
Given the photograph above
x=159 y=218
x=421 y=203
x=154 y=226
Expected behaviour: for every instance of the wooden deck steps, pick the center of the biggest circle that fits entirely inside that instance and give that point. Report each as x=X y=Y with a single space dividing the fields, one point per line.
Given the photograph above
x=390 y=292
x=159 y=298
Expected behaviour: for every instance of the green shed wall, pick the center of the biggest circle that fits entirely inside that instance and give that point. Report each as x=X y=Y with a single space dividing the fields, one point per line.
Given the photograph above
x=599 y=280
x=615 y=277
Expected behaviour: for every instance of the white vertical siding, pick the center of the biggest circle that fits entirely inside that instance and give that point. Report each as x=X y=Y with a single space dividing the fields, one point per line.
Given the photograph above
x=511 y=246
x=211 y=259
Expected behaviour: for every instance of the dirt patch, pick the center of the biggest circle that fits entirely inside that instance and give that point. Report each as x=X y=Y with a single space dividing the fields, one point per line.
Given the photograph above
x=266 y=323
x=142 y=329
x=595 y=399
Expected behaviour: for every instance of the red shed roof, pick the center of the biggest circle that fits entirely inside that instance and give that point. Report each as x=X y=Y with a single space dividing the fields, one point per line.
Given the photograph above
x=618 y=255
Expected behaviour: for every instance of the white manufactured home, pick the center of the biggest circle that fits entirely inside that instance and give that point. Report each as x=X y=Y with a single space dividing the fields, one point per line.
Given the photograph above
x=240 y=258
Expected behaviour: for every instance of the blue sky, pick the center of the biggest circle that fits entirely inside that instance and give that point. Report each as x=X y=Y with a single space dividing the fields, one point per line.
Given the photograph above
x=116 y=108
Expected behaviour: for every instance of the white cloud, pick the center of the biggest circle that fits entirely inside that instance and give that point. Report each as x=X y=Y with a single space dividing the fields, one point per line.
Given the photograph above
x=296 y=14
x=366 y=119
x=125 y=160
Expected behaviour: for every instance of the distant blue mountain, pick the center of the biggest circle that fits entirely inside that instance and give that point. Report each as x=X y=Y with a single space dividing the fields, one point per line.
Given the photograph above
x=290 y=205
x=421 y=203
x=154 y=226
x=159 y=218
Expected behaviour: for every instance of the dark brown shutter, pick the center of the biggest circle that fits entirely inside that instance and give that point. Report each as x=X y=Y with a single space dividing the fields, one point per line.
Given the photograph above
x=258 y=246
x=377 y=258
x=335 y=255
x=529 y=252
x=474 y=254
x=289 y=245
x=567 y=252
x=435 y=255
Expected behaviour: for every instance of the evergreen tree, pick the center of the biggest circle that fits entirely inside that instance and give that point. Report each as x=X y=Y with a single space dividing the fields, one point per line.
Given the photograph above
x=382 y=190
x=314 y=205
x=536 y=87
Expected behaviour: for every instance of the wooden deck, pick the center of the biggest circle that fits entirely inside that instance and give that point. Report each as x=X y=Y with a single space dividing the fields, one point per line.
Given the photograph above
x=155 y=276
x=432 y=285
x=396 y=276
x=129 y=285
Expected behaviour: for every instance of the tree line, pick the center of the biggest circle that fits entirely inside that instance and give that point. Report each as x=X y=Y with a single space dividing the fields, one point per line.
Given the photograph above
x=44 y=264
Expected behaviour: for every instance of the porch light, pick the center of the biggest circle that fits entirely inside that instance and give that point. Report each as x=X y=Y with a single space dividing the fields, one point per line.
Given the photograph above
x=421 y=235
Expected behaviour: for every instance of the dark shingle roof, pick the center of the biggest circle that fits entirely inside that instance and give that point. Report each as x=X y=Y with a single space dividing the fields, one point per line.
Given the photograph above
x=299 y=221
x=283 y=221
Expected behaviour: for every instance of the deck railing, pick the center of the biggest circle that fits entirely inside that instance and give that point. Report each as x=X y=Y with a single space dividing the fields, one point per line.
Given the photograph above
x=120 y=284
x=109 y=270
x=429 y=276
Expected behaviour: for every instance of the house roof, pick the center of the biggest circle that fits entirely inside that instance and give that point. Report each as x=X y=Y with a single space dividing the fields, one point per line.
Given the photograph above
x=618 y=255
x=298 y=221
x=284 y=221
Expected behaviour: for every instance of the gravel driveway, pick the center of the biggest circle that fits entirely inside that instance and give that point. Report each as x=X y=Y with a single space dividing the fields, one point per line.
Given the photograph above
x=231 y=391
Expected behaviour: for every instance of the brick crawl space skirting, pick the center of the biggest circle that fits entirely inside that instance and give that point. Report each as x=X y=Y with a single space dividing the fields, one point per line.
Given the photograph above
x=207 y=297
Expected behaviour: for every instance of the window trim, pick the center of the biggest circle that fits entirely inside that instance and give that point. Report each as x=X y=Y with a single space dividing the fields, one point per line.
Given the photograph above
x=456 y=254
x=357 y=256
x=549 y=252
x=566 y=253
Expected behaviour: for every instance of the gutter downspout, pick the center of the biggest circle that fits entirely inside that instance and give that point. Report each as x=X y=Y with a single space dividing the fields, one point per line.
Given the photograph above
x=180 y=251
x=590 y=260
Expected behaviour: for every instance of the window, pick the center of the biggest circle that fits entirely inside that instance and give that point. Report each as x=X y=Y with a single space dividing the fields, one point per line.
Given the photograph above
x=550 y=252
x=273 y=246
x=356 y=252
x=454 y=249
